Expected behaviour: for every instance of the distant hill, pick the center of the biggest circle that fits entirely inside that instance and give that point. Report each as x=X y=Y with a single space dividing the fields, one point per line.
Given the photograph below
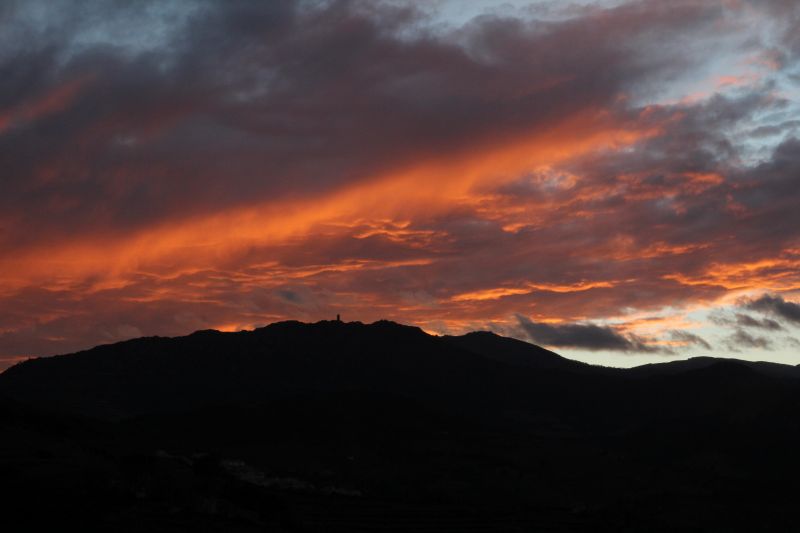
x=776 y=370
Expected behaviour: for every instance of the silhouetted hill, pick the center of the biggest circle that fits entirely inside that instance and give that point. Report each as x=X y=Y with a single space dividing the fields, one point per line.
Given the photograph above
x=374 y=427
x=475 y=374
x=246 y=368
x=776 y=370
x=480 y=376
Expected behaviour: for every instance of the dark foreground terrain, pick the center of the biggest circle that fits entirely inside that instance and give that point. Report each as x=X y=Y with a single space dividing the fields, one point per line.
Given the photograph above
x=349 y=427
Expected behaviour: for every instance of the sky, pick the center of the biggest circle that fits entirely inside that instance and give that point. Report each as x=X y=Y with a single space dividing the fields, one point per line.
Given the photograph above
x=617 y=180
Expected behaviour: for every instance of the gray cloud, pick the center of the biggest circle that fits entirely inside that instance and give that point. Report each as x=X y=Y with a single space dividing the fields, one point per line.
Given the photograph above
x=582 y=335
x=237 y=101
x=745 y=321
x=741 y=340
x=776 y=306
x=689 y=338
x=764 y=323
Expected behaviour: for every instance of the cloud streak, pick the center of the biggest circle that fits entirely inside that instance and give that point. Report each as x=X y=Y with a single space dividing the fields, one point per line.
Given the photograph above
x=776 y=306
x=585 y=336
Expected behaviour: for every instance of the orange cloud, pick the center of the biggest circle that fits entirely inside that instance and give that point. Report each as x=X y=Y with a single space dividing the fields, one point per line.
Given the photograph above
x=210 y=240
x=779 y=274
x=496 y=293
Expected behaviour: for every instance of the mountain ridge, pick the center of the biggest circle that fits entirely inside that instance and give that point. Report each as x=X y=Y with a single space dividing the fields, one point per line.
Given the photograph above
x=523 y=353
x=209 y=367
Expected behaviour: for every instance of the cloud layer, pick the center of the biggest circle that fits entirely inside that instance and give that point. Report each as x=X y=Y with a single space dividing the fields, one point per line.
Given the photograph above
x=585 y=177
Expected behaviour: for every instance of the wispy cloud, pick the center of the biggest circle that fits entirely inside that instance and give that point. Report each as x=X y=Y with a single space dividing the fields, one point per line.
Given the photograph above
x=583 y=335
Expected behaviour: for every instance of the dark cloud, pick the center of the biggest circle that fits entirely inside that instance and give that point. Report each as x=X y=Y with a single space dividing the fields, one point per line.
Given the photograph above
x=689 y=338
x=585 y=336
x=776 y=306
x=741 y=340
x=257 y=100
x=764 y=323
x=745 y=321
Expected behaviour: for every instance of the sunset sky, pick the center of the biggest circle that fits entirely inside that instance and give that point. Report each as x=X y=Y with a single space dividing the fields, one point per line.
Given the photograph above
x=616 y=180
